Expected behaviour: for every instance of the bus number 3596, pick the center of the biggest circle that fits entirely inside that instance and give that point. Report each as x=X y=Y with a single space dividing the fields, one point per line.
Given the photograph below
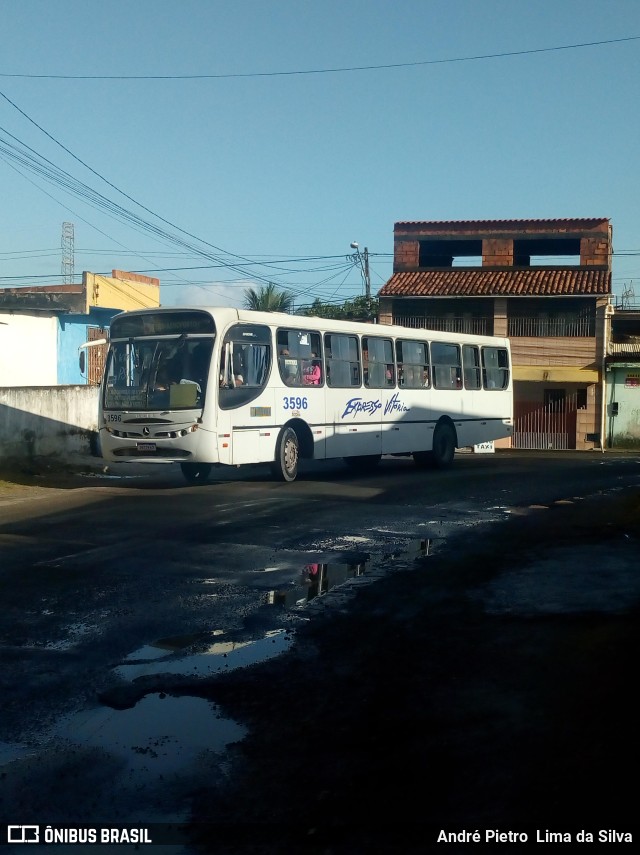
x=291 y=402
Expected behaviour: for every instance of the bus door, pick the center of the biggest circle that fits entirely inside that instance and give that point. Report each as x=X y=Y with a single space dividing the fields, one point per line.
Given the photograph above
x=408 y=410
x=472 y=400
x=245 y=425
x=353 y=412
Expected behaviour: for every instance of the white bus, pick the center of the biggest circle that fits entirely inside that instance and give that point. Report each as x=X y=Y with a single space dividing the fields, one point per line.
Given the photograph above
x=205 y=386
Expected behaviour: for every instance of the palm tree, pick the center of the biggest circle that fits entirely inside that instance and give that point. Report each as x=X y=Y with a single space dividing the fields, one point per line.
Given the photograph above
x=267 y=298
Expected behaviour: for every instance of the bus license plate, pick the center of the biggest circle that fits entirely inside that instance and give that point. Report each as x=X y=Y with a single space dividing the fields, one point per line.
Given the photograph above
x=146 y=446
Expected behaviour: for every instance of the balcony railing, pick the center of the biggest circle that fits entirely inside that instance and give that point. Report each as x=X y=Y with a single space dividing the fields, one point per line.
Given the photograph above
x=567 y=327
x=477 y=326
x=551 y=328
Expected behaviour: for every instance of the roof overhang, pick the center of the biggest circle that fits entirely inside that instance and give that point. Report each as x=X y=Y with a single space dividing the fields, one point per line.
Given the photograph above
x=500 y=282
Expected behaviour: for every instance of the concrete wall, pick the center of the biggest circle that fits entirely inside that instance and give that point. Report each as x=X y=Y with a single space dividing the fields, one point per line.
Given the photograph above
x=42 y=426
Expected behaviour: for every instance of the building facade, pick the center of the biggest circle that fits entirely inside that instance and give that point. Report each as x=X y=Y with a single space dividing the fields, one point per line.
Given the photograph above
x=546 y=284
x=43 y=327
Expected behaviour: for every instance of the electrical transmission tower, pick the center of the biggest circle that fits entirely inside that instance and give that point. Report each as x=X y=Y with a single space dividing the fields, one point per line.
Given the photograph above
x=67 y=253
x=628 y=296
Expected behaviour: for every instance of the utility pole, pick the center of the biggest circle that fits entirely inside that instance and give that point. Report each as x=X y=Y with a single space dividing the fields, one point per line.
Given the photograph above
x=362 y=259
x=367 y=278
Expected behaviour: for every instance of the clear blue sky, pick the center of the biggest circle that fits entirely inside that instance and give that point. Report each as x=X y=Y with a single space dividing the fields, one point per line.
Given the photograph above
x=272 y=171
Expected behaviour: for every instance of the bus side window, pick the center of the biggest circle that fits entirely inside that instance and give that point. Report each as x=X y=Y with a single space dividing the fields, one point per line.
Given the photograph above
x=245 y=364
x=342 y=356
x=471 y=367
x=413 y=364
x=298 y=357
x=378 y=362
x=447 y=367
x=495 y=367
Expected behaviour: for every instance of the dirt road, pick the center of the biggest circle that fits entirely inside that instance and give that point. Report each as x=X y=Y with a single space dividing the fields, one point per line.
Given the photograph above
x=489 y=687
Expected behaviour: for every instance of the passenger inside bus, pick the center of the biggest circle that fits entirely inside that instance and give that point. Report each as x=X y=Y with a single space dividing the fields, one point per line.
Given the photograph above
x=238 y=370
x=166 y=375
x=161 y=383
x=312 y=372
x=288 y=367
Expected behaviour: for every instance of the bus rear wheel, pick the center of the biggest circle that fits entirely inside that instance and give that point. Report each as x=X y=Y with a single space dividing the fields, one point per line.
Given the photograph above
x=196 y=473
x=444 y=446
x=363 y=462
x=285 y=465
x=443 y=449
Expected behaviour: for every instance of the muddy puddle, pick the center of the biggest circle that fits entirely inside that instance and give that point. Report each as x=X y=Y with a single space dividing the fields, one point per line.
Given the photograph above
x=160 y=735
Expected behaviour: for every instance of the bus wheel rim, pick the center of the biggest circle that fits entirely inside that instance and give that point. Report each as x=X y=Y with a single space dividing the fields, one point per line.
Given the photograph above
x=290 y=454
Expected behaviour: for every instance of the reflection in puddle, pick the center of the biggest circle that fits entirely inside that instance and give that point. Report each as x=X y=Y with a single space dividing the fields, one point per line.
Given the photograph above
x=218 y=657
x=161 y=734
x=316 y=579
x=415 y=549
x=167 y=646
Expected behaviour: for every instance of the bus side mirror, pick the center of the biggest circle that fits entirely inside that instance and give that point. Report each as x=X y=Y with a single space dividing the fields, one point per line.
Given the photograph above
x=82 y=362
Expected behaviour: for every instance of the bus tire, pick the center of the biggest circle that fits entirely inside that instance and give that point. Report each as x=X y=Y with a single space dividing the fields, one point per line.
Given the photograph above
x=444 y=446
x=285 y=465
x=196 y=473
x=363 y=462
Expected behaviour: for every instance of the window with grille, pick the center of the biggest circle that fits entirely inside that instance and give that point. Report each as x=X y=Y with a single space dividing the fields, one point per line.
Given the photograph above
x=96 y=355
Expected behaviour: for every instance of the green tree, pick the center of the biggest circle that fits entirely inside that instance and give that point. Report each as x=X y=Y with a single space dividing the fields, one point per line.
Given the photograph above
x=357 y=309
x=267 y=298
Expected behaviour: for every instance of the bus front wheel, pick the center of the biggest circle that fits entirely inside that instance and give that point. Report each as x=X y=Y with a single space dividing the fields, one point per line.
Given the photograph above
x=285 y=465
x=196 y=473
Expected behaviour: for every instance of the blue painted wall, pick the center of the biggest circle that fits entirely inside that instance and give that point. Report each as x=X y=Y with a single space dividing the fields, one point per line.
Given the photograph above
x=72 y=332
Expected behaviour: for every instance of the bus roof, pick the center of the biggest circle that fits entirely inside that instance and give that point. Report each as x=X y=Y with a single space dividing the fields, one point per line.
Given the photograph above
x=225 y=316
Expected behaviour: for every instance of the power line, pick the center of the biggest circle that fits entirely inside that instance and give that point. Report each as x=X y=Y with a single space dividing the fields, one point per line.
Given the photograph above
x=66 y=180
x=337 y=70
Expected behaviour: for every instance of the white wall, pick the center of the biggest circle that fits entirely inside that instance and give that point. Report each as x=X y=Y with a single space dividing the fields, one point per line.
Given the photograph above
x=28 y=350
x=48 y=425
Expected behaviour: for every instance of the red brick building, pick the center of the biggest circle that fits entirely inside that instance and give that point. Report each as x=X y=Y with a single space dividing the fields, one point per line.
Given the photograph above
x=544 y=283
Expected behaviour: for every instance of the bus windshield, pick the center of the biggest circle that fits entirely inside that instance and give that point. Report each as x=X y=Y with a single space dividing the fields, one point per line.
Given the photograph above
x=154 y=374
